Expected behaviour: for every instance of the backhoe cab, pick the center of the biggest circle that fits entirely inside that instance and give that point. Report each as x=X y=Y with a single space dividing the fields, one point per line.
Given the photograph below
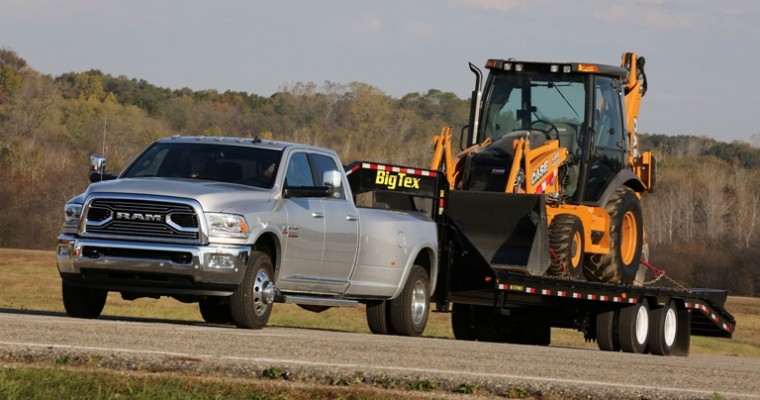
x=558 y=141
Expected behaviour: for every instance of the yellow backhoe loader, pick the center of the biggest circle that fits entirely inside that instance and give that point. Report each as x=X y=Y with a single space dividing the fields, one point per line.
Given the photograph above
x=550 y=179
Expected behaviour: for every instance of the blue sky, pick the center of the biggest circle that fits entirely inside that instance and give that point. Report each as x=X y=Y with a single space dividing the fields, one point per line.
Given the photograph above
x=701 y=55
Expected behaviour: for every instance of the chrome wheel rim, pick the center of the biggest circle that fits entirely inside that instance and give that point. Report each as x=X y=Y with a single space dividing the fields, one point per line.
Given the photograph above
x=259 y=284
x=419 y=303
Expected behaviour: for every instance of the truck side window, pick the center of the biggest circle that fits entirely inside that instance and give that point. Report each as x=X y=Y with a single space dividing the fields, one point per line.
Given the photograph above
x=299 y=171
x=326 y=164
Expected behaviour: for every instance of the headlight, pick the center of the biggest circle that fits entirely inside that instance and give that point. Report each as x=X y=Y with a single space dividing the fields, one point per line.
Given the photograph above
x=71 y=214
x=227 y=225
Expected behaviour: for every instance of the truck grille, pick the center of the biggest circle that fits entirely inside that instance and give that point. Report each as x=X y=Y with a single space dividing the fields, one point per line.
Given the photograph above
x=142 y=218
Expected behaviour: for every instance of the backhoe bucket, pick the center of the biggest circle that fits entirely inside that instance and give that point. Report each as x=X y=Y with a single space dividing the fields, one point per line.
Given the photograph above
x=508 y=231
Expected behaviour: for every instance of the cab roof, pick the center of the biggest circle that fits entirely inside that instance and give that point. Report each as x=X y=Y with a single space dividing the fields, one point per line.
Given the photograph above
x=239 y=141
x=515 y=66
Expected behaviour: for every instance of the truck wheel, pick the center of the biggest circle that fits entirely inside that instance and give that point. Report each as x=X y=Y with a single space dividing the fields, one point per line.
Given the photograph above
x=566 y=240
x=633 y=328
x=409 y=311
x=377 y=319
x=462 y=322
x=248 y=305
x=83 y=302
x=215 y=311
x=606 y=338
x=663 y=330
x=626 y=236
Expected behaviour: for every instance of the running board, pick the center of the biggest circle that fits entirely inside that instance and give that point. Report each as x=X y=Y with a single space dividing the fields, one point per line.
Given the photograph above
x=315 y=301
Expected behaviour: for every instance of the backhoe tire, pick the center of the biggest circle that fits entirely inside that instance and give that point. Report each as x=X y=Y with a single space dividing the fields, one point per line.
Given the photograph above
x=83 y=302
x=377 y=317
x=409 y=311
x=566 y=240
x=248 y=306
x=620 y=265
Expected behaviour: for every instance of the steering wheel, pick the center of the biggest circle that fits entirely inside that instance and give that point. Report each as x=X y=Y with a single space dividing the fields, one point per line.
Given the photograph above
x=547 y=132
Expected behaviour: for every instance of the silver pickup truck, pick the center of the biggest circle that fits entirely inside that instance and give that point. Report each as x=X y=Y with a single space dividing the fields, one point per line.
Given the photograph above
x=239 y=224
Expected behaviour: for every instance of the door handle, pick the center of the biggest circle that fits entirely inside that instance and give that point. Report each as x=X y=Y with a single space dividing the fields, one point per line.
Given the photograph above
x=317 y=215
x=351 y=218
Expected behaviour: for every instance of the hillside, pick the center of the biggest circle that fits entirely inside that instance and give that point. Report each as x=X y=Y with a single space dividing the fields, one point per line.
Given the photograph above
x=701 y=221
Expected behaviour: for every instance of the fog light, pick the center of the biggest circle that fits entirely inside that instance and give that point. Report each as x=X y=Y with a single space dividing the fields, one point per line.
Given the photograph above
x=221 y=261
x=64 y=250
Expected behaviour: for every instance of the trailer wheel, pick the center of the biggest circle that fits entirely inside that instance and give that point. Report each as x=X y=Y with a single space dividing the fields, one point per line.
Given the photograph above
x=626 y=236
x=249 y=307
x=462 y=322
x=606 y=337
x=663 y=330
x=566 y=240
x=633 y=328
x=377 y=318
x=215 y=311
x=409 y=311
x=83 y=302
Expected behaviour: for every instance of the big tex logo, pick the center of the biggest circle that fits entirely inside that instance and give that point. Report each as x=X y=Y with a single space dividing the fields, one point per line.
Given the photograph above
x=392 y=181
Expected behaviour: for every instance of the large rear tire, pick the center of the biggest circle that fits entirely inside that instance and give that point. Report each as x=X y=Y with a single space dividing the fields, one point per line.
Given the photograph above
x=409 y=311
x=626 y=237
x=248 y=305
x=377 y=317
x=83 y=302
x=462 y=323
x=566 y=240
x=663 y=330
x=606 y=334
x=633 y=328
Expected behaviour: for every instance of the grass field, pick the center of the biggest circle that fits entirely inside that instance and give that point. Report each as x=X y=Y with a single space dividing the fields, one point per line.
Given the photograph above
x=29 y=281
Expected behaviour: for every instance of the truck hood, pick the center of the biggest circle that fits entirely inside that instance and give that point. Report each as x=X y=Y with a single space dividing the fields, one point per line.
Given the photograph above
x=213 y=196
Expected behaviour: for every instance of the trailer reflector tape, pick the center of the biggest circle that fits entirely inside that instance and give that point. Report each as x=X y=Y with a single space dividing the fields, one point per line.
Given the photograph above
x=530 y=290
x=562 y=293
x=546 y=292
x=591 y=297
x=577 y=295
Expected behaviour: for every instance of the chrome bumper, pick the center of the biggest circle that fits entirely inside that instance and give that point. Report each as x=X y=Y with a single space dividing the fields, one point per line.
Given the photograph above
x=214 y=265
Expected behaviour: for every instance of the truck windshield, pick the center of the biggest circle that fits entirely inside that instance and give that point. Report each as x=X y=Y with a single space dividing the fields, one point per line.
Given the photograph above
x=218 y=162
x=553 y=103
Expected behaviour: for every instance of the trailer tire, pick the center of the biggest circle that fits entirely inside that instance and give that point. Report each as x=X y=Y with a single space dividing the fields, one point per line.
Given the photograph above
x=248 y=306
x=377 y=317
x=663 y=330
x=626 y=236
x=409 y=311
x=633 y=327
x=462 y=322
x=83 y=302
x=215 y=311
x=566 y=240
x=606 y=335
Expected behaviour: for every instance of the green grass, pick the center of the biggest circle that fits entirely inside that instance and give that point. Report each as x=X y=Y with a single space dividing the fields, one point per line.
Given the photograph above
x=30 y=281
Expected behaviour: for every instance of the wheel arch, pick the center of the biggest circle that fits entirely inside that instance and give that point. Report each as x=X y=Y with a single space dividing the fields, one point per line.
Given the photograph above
x=269 y=243
x=622 y=178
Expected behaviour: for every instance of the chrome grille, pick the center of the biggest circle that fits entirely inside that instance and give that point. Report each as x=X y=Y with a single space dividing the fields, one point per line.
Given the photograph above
x=143 y=219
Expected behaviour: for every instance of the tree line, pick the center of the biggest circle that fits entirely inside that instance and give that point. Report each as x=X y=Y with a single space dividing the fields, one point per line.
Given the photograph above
x=701 y=220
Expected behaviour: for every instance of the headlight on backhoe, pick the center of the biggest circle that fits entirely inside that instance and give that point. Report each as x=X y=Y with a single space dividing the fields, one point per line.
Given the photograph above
x=227 y=225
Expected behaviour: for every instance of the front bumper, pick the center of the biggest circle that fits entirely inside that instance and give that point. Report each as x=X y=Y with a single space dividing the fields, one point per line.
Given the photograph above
x=156 y=268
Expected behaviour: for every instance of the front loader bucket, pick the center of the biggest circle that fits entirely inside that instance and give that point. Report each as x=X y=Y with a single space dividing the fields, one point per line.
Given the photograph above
x=508 y=231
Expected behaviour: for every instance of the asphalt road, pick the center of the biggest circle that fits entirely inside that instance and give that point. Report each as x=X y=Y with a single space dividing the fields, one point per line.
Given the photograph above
x=320 y=355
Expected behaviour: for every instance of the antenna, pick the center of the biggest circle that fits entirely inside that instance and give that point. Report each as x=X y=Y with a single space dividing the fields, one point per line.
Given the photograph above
x=105 y=124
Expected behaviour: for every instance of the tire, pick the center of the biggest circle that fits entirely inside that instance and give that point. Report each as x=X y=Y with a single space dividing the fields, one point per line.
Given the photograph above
x=215 y=310
x=606 y=337
x=633 y=328
x=248 y=305
x=377 y=317
x=663 y=330
x=83 y=302
x=566 y=240
x=409 y=311
x=620 y=265
x=462 y=322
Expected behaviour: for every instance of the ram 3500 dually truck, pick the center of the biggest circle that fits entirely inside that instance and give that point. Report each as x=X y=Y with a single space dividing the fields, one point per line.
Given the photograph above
x=239 y=224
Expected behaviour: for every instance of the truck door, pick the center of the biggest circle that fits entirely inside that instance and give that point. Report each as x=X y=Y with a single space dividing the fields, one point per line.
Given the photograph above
x=342 y=228
x=304 y=232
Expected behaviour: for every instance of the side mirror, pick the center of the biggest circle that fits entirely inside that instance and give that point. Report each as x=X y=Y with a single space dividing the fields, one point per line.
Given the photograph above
x=333 y=179
x=98 y=169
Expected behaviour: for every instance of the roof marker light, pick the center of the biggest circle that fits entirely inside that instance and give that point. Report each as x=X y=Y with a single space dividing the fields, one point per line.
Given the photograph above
x=554 y=68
